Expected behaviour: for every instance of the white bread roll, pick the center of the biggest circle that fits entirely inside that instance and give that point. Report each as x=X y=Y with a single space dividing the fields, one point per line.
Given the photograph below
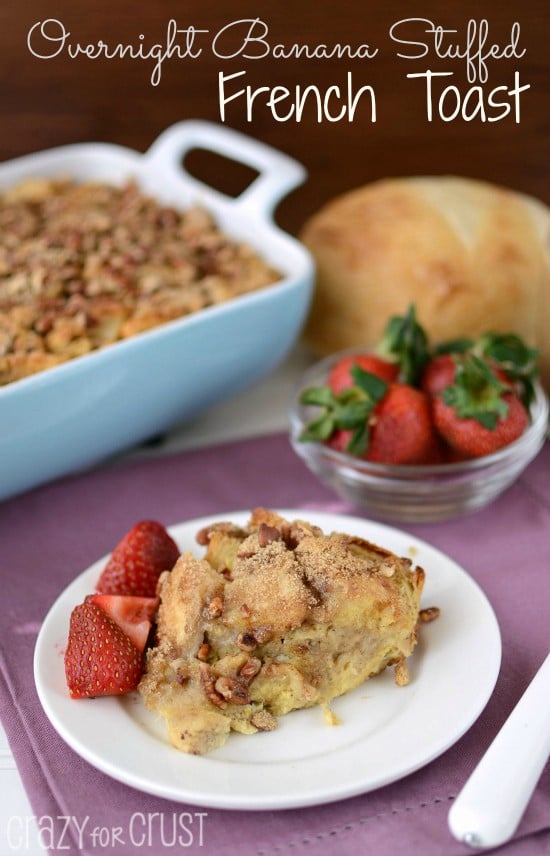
x=472 y=257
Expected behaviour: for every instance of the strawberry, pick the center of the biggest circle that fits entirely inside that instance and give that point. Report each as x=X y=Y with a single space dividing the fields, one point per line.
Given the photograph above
x=340 y=439
x=470 y=438
x=511 y=355
x=464 y=399
x=340 y=376
x=401 y=428
x=100 y=659
x=441 y=371
x=134 y=615
x=479 y=413
x=391 y=424
x=347 y=410
x=400 y=355
x=138 y=560
x=450 y=455
x=438 y=374
x=508 y=356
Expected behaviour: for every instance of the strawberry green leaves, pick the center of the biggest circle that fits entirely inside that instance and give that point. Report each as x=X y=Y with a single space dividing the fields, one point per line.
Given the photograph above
x=477 y=392
x=405 y=342
x=510 y=353
x=505 y=351
x=348 y=410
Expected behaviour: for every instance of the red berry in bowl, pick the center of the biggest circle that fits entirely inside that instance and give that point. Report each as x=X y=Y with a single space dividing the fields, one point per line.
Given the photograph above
x=470 y=438
x=438 y=374
x=340 y=376
x=401 y=428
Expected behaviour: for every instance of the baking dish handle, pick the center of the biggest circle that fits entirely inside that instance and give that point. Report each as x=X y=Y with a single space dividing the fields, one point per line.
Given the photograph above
x=278 y=173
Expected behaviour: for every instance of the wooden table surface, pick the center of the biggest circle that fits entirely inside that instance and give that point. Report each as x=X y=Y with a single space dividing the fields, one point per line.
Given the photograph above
x=48 y=102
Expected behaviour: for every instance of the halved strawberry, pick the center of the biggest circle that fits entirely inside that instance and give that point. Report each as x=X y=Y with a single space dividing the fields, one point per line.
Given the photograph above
x=100 y=659
x=138 y=560
x=134 y=615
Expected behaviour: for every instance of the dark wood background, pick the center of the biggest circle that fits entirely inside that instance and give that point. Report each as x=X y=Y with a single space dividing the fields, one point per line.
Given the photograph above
x=45 y=103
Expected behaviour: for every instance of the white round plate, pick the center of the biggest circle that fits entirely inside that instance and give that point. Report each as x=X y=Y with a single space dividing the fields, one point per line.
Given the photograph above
x=385 y=733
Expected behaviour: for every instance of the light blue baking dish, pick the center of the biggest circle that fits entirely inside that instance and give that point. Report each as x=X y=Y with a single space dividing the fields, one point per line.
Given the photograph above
x=76 y=414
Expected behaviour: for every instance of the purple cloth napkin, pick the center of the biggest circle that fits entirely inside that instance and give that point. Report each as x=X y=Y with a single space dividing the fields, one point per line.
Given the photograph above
x=49 y=535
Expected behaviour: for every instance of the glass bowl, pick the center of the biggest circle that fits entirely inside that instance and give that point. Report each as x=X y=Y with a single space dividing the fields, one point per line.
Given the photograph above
x=414 y=494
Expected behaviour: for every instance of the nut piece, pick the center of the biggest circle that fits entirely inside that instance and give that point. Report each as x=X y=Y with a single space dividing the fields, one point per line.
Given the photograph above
x=295 y=532
x=182 y=677
x=264 y=721
x=208 y=682
x=245 y=554
x=429 y=614
x=203 y=536
x=204 y=652
x=401 y=673
x=267 y=534
x=262 y=634
x=214 y=608
x=250 y=669
x=232 y=690
x=246 y=641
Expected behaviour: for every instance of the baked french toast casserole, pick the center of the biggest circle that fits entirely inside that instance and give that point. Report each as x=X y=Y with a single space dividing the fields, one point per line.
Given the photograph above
x=277 y=616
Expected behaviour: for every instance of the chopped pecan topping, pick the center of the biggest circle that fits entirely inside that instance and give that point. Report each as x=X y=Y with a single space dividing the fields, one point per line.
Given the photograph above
x=246 y=641
x=131 y=263
x=208 y=682
x=429 y=614
x=204 y=651
x=245 y=554
x=262 y=634
x=267 y=534
x=203 y=536
x=232 y=690
x=250 y=669
x=401 y=673
x=295 y=532
x=264 y=721
x=215 y=608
